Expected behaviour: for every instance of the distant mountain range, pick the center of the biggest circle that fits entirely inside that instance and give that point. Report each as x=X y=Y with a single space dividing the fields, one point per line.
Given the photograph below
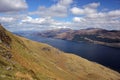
x=95 y=35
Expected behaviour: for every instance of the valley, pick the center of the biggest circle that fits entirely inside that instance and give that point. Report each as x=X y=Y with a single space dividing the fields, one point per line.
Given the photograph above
x=19 y=60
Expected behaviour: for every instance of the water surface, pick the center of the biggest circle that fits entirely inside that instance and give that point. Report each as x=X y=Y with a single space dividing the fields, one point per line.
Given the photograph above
x=107 y=56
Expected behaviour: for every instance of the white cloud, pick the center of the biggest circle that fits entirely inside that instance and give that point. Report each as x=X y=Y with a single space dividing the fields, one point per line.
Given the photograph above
x=14 y=5
x=114 y=13
x=86 y=10
x=39 y=21
x=107 y=20
x=38 y=24
x=78 y=19
x=57 y=10
x=77 y=11
x=93 y=18
x=92 y=5
x=6 y=19
x=65 y=2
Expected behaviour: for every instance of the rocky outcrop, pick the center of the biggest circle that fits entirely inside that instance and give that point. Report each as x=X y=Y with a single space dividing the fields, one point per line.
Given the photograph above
x=4 y=38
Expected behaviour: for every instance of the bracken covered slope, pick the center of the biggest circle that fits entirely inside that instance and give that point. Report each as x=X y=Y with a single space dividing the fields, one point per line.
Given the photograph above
x=23 y=59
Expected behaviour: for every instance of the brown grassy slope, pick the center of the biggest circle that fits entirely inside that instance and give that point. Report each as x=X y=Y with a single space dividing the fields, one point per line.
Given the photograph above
x=21 y=58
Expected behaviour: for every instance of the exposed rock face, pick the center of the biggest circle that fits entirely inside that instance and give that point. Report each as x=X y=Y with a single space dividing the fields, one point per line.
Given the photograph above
x=5 y=41
x=46 y=49
x=4 y=38
x=5 y=52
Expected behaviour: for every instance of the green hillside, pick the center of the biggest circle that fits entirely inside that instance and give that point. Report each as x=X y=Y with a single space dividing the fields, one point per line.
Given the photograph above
x=23 y=59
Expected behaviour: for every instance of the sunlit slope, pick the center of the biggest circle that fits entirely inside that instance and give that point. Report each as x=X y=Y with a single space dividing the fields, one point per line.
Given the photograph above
x=23 y=59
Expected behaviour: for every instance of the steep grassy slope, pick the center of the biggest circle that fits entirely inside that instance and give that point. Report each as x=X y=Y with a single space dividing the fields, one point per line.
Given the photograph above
x=23 y=59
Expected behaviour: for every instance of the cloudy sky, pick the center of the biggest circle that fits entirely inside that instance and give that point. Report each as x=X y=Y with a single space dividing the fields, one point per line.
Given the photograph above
x=38 y=15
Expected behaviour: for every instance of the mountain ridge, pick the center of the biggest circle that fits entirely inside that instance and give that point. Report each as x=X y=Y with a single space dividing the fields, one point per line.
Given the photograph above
x=94 y=35
x=22 y=59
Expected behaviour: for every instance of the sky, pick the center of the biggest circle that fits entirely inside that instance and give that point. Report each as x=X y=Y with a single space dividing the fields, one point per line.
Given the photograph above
x=39 y=15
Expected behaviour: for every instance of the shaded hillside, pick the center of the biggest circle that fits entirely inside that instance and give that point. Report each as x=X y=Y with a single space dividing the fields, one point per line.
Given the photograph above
x=23 y=59
x=94 y=35
x=53 y=33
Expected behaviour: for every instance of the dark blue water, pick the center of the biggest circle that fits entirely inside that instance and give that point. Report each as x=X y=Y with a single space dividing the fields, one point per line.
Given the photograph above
x=104 y=55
